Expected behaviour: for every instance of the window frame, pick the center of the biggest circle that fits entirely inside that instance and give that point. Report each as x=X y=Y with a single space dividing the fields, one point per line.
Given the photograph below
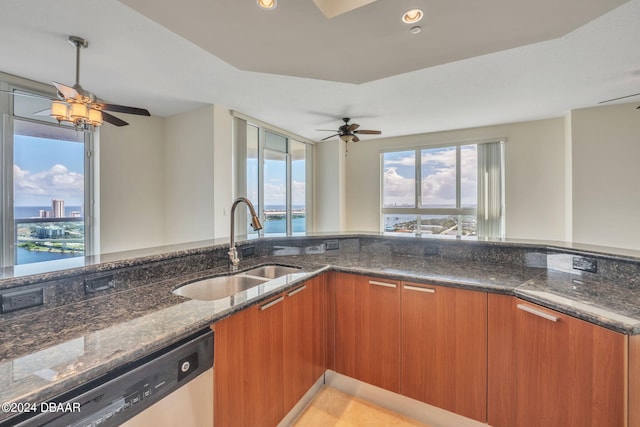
x=241 y=179
x=11 y=83
x=420 y=211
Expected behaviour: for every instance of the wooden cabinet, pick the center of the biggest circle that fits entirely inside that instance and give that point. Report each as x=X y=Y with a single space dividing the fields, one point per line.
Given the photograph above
x=551 y=369
x=266 y=357
x=304 y=339
x=367 y=329
x=248 y=367
x=444 y=348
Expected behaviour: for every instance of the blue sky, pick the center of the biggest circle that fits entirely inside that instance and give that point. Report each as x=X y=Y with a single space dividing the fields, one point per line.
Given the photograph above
x=45 y=169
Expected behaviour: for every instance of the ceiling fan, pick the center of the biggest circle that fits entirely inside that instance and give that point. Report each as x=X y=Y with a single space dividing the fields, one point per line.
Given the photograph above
x=80 y=107
x=349 y=132
x=621 y=97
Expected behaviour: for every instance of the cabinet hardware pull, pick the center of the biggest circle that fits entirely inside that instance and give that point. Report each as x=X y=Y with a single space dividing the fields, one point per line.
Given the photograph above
x=295 y=291
x=272 y=303
x=538 y=312
x=419 y=289
x=386 y=285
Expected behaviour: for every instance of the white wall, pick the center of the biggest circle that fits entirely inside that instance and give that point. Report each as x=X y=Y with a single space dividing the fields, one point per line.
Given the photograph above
x=535 y=181
x=166 y=180
x=330 y=187
x=188 y=176
x=223 y=170
x=131 y=185
x=606 y=175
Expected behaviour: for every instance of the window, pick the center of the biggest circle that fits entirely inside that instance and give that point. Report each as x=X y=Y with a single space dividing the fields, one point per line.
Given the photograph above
x=443 y=191
x=45 y=184
x=273 y=174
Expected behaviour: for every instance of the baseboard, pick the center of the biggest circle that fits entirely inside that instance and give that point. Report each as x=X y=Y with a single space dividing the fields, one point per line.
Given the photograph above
x=419 y=411
x=302 y=403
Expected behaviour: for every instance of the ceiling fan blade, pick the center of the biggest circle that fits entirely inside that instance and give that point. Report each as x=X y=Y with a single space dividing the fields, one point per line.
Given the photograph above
x=113 y=120
x=66 y=91
x=45 y=112
x=123 y=109
x=325 y=130
x=621 y=97
x=368 y=132
x=353 y=126
x=324 y=139
x=27 y=94
x=355 y=138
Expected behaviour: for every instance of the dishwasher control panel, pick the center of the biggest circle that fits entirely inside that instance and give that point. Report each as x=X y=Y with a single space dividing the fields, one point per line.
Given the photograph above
x=114 y=399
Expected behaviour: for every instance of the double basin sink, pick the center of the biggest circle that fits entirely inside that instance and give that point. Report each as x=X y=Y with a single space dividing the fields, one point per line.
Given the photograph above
x=219 y=287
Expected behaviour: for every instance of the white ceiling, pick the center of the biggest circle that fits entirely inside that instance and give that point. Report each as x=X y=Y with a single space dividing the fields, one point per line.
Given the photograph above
x=133 y=60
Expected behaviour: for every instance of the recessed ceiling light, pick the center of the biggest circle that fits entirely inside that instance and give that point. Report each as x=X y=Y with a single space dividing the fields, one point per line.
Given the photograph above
x=267 y=4
x=412 y=16
x=415 y=30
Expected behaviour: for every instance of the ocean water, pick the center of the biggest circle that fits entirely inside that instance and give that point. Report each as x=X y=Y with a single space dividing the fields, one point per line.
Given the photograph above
x=24 y=256
x=34 y=211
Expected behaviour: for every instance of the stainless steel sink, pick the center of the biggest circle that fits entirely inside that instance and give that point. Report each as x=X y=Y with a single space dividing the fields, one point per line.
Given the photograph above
x=216 y=288
x=271 y=271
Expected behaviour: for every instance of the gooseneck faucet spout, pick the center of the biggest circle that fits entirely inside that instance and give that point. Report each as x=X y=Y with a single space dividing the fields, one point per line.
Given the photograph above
x=255 y=224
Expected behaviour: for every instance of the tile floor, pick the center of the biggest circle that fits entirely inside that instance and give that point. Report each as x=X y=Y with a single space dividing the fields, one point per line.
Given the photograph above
x=333 y=408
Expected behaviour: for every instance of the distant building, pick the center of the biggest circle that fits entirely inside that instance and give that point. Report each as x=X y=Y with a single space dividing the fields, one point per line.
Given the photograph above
x=57 y=208
x=44 y=214
x=49 y=232
x=75 y=214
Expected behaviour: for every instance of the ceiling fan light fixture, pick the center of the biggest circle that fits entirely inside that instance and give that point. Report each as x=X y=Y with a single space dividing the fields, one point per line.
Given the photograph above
x=60 y=111
x=95 y=117
x=412 y=16
x=267 y=4
x=79 y=111
x=346 y=138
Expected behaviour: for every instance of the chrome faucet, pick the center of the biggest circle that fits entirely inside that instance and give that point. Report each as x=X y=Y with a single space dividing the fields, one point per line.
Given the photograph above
x=255 y=224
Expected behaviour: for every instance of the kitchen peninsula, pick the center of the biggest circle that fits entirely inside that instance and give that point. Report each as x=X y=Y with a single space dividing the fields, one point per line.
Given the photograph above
x=76 y=337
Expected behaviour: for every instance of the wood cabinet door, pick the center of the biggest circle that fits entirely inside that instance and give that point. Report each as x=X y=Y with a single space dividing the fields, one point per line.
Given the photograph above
x=367 y=329
x=571 y=373
x=248 y=367
x=304 y=339
x=444 y=348
x=550 y=369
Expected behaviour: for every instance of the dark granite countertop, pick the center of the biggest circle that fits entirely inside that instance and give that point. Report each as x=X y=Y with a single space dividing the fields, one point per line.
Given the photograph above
x=49 y=352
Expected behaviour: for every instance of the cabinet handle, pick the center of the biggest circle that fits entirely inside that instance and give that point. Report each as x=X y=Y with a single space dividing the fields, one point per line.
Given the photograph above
x=271 y=304
x=295 y=291
x=419 y=289
x=386 y=285
x=538 y=312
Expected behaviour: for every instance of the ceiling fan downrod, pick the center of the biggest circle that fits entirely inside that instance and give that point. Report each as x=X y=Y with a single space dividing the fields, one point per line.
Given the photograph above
x=79 y=43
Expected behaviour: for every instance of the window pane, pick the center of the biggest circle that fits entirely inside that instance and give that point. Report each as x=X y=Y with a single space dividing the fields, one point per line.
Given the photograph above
x=48 y=192
x=400 y=223
x=399 y=181
x=275 y=142
x=298 y=186
x=448 y=225
x=275 y=192
x=438 y=168
x=469 y=176
x=252 y=171
x=441 y=225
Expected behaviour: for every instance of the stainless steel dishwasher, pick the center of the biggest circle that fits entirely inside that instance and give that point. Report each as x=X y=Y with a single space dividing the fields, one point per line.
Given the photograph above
x=168 y=388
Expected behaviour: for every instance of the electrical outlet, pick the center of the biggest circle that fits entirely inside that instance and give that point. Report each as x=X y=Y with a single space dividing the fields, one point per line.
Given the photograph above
x=431 y=250
x=97 y=284
x=585 y=264
x=18 y=300
x=332 y=245
x=248 y=251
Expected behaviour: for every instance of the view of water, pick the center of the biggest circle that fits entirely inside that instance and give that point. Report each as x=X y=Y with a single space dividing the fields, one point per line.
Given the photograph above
x=279 y=225
x=25 y=256
x=34 y=211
